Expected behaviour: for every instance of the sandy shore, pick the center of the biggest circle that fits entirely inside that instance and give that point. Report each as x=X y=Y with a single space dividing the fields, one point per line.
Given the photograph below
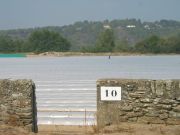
x=62 y=54
x=66 y=54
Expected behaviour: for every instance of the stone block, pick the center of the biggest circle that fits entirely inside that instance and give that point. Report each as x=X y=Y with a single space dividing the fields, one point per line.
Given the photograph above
x=160 y=87
x=135 y=95
x=147 y=105
x=166 y=107
x=177 y=108
x=144 y=101
x=163 y=116
x=137 y=109
x=134 y=119
x=150 y=120
x=18 y=103
x=152 y=113
x=127 y=108
x=174 y=114
x=167 y=101
x=178 y=98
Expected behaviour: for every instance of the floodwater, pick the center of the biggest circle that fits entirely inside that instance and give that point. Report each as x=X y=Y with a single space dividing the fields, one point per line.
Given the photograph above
x=66 y=86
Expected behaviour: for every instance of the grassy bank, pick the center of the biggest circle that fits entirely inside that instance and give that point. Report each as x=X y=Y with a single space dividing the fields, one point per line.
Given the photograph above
x=69 y=54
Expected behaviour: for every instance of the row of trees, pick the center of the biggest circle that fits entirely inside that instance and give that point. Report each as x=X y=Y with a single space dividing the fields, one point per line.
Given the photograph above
x=105 y=43
x=152 y=44
x=155 y=44
x=45 y=40
x=38 y=41
x=85 y=33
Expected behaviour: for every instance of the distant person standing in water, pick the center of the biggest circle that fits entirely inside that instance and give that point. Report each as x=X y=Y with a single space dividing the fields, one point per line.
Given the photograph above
x=109 y=56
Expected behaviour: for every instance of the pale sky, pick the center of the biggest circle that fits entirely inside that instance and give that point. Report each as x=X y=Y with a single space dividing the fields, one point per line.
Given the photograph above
x=37 y=13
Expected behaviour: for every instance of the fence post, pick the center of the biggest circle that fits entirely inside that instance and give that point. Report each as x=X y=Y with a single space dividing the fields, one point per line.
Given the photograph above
x=34 y=111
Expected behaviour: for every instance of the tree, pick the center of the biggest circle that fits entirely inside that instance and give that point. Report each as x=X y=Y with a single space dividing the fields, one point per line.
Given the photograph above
x=122 y=46
x=19 y=45
x=172 y=44
x=151 y=44
x=45 y=40
x=105 y=41
x=6 y=44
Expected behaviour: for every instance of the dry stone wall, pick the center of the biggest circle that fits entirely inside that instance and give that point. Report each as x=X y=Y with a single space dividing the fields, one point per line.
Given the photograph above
x=143 y=101
x=18 y=104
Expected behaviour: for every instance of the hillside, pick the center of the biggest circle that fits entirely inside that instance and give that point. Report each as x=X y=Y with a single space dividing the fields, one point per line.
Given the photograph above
x=85 y=33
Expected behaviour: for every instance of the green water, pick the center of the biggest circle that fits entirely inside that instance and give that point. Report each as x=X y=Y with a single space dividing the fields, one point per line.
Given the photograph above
x=12 y=55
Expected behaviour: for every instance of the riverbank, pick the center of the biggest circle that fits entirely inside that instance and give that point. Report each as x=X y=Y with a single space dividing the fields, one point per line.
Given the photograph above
x=68 y=54
x=71 y=54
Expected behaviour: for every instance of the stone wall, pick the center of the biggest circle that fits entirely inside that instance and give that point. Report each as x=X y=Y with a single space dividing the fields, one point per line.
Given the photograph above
x=143 y=101
x=18 y=104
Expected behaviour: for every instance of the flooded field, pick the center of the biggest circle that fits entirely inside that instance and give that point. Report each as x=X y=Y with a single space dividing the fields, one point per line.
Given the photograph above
x=66 y=86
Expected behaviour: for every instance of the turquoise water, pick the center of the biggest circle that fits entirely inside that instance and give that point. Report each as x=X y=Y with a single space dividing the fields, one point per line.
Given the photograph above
x=12 y=55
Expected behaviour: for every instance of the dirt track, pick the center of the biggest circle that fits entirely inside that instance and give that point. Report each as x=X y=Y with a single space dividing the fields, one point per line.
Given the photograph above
x=122 y=129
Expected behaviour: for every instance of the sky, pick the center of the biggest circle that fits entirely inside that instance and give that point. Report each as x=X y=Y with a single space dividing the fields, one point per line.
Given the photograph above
x=16 y=14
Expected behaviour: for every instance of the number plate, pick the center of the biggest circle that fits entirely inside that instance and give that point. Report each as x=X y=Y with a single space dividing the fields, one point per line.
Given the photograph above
x=111 y=93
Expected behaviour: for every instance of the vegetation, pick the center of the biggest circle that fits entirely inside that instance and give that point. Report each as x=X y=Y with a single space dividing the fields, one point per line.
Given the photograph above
x=9 y=45
x=45 y=40
x=155 y=44
x=122 y=46
x=151 y=44
x=129 y=35
x=105 y=41
x=38 y=41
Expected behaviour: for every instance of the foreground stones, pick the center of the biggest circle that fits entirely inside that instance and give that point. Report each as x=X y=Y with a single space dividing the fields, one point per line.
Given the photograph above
x=18 y=104
x=143 y=101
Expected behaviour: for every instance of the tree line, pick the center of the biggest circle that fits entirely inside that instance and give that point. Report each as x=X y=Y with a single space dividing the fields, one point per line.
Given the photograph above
x=85 y=33
x=46 y=40
x=38 y=41
x=153 y=44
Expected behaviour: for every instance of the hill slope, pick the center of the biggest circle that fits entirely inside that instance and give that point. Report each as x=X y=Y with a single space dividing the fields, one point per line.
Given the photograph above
x=85 y=33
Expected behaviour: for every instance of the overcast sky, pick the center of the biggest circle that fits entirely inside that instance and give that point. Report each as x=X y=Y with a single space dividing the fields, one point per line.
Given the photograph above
x=37 y=13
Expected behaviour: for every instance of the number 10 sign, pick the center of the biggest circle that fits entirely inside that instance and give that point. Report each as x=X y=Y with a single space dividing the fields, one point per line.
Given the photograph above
x=110 y=93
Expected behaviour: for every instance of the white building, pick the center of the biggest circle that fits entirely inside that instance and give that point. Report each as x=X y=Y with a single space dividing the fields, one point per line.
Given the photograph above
x=130 y=26
x=147 y=27
x=107 y=27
